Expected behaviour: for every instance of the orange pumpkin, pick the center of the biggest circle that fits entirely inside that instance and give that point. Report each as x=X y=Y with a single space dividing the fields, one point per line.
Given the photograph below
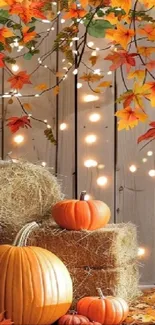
x=35 y=286
x=81 y=214
x=105 y=310
x=73 y=319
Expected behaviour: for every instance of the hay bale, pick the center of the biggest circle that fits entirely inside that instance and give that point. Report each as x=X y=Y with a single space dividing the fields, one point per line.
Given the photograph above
x=27 y=193
x=109 y=247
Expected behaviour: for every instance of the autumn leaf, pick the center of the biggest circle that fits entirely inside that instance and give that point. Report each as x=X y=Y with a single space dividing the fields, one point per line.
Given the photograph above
x=91 y=77
x=138 y=74
x=147 y=3
x=27 y=106
x=28 y=35
x=149 y=31
x=111 y=18
x=75 y=12
x=2 y=56
x=5 y=33
x=3 y=3
x=146 y=51
x=20 y=79
x=105 y=84
x=136 y=95
x=10 y=101
x=56 y=90
x=150 y=65
x=50 y=136
x=120 y=58
x=151 y=96
x=93 y=59
x=41 y=87
x=84 y=3
x=60 y=74
x=15 y=123
x=28 y=11
x=121 y=35
x=130 y=118
x=99 y=3
x=125 y=5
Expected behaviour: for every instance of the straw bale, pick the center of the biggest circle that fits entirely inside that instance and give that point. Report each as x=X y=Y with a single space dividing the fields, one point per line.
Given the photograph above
x=122 y=282
x=109 y=247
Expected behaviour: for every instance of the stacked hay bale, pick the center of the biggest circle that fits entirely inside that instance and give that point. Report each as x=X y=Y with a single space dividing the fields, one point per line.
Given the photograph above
x=105 y=258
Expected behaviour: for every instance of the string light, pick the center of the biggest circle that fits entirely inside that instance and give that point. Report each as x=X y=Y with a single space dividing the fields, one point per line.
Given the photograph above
x=97 y=48
x=102 y=180
x=45 y=121
x=133 y=168
x=144 y=160
x=48 y=126
x=95 y=117
x=90 y=44
x=46 y=21
x=109 y=72
x=37 y=95
x=90 y=138
x=75 y=71
x=152 y=172
x=101 y=166
x=97 y=71
x=43 y=164
x=63 y=126
x=150 y=153
x=94 y=53
x=18 y=139
x=90 y=98
x=141 y=251
x=15 y=67
x=62 y=21
x=90 y=163
x=79 y=85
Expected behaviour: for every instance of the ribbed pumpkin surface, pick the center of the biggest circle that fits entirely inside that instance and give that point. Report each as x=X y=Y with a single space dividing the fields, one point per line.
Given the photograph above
x=35 y=286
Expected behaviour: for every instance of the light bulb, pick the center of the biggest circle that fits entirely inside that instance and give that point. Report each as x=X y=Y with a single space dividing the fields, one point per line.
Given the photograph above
x=97 y=71
x=90 y=163
x=144 y=160
x=102 y=180
x=109 y=73
x=90 y=44
x=75 y=71
x=90 y=98
x=93 y=53
x=95 y=117
x=90 y=138
x=152 y=172
x=101 y=166
x=141 y=251
x=133 y=168
x=62 y=21
x=79 y=85
x=43 y=164
x=63 y=126
x=18 y=139
x=97 y=48
x=15 y=67
x=150 y=153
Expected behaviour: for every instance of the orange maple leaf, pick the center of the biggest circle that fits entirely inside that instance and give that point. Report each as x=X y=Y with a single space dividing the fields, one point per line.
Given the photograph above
x=146 y=51
x=112 y=18
x=28 y=10
x=28 y=36
x=150 y=65
x=93 y=59
x=5 y=33
x=20 y=79
x=120 y=58
x=150 y=134
x=41 y=87
x=148 y=31
x=105 y=84
x=147 y=3
x=84 y=3
x=27 y=106
x=91 y=77
x=75 y=12
x=138 y=74
x=136 y=95
x=121 y=35
x=123 y=4
x=151 y=96
x=130 y=118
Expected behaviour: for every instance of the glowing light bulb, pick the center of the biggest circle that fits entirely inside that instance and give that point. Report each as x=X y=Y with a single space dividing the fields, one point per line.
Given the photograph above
x=62 y=21
x=90 y=44
x=101 y=166
x=150 y=153
x=152 y=172
x=109 y=73
x=144 y=160
x=93 y=53
x=95 y=117
x=15 y=67
x=90 y=98
x=79 y=85
x=48 y=126
x=63 y=126
x=37 y=95
x=90 y=163
x=102 y=180
x=141 y=251
x=43 y=164
x=133 y=168
x=18 y=139
x=97 y=71
x=75 y=71
x=97 y=48
x=90 y=138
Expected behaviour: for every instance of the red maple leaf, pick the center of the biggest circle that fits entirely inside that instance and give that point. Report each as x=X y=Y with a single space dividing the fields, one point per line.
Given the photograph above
x=2 y=56
x=121 y=57
x=150 y=134
x=4 y=321
x=15 y=123
x=20 y=79
x=28 y=11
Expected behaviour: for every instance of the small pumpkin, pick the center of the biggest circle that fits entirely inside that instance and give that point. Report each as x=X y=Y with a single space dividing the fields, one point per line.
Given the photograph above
x=73 y=319
x=35 y=286
x=105 y=310
x=81 y=214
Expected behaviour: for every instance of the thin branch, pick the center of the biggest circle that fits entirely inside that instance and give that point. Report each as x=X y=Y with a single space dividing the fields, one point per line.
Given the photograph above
x=123 y=79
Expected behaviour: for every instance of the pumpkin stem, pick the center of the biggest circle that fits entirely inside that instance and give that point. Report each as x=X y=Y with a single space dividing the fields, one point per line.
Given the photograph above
x=100 y=293
x=23 y=234
x=82 y=195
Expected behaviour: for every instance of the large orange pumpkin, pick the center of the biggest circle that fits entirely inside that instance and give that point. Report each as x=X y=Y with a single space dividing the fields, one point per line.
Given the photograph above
x=81 y=214
x=35 y=286
x=105 y=310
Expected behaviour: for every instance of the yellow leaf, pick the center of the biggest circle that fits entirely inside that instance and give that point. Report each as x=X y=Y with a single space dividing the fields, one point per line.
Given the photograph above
x=130 y=118
x=123 y=4
x=139 y=74
x=10 y=101
x=105 y=84
x=41 y=87
x=97 y=90
x=112 y=18
x=6 y=32
x=3 y=3
x=60 y=74
x=146 y=50
x=27 y=106
x=56 y=90
x=91 y=77
x=93 y=59
x=121 y=35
